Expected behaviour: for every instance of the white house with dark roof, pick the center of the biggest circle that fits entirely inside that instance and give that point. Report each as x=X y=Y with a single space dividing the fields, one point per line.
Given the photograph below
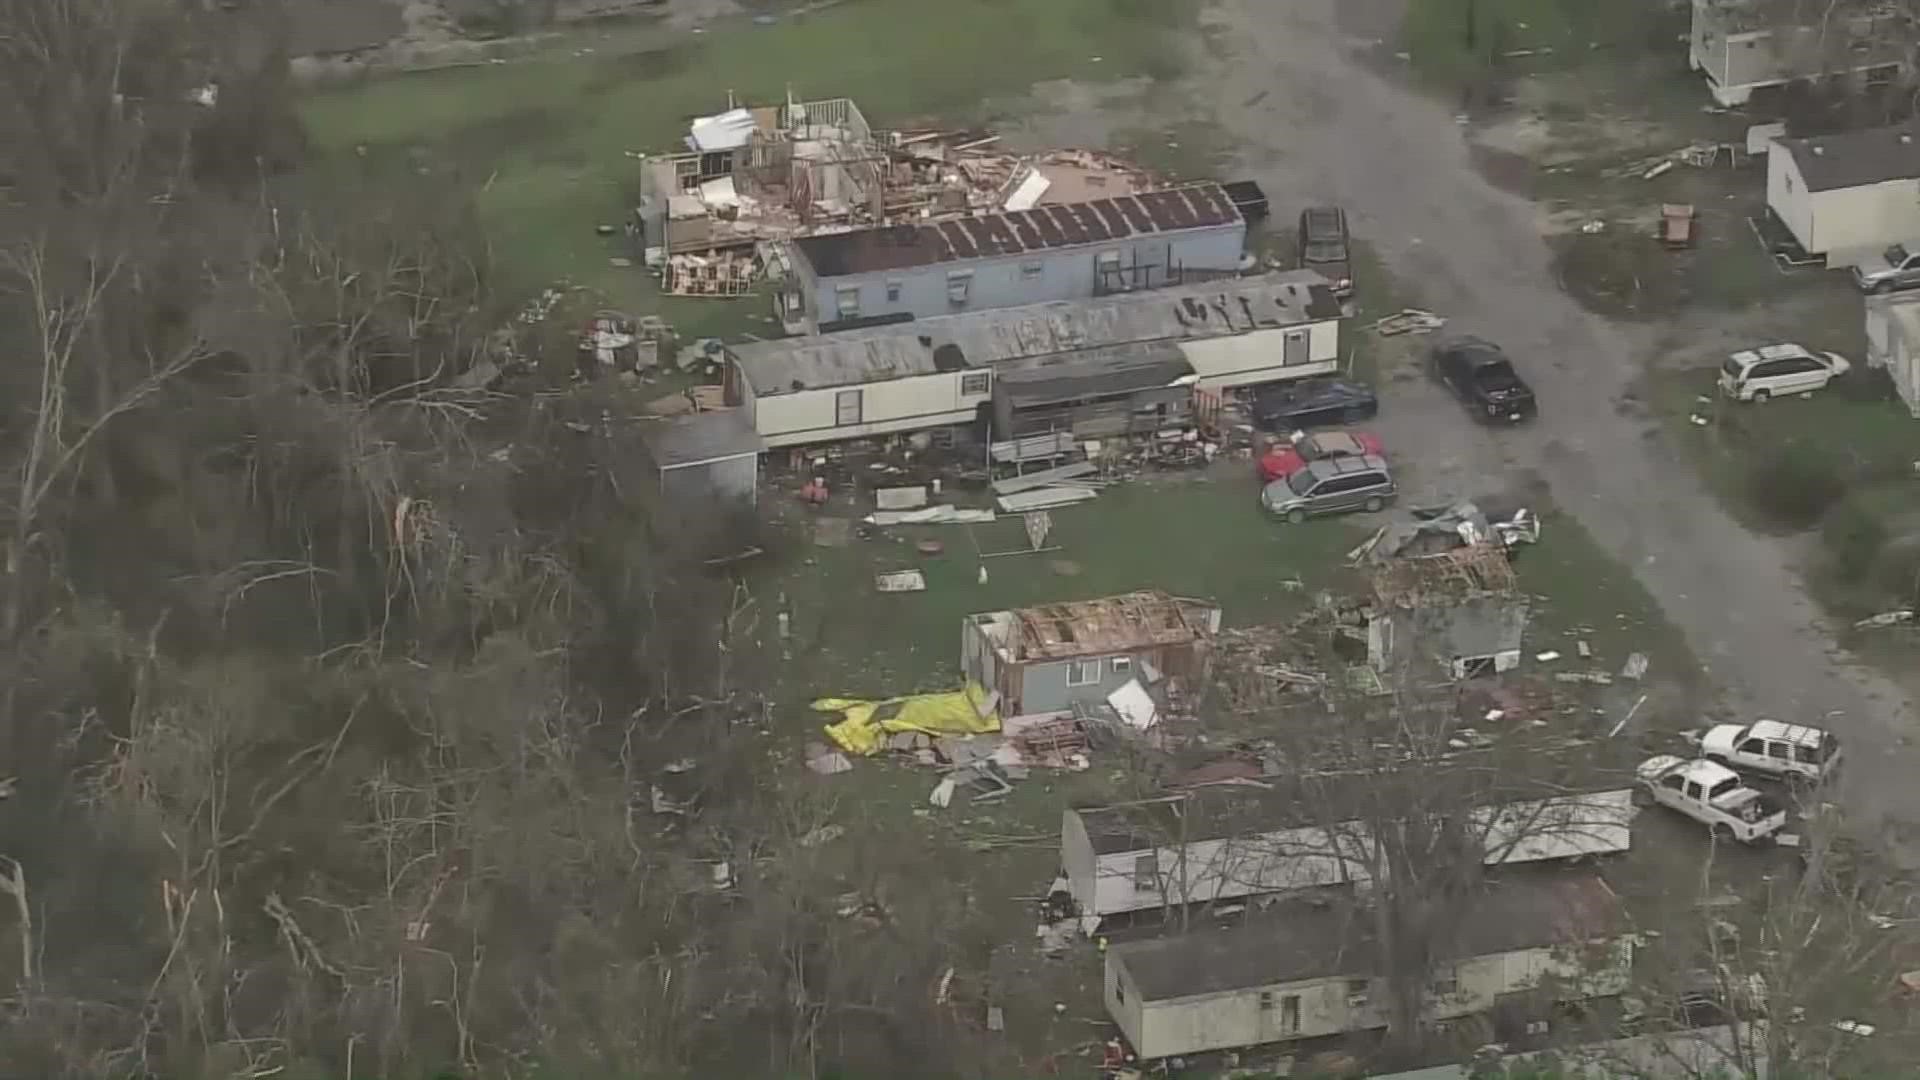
x=1307 y=969
x=1066 y=251
x=1845 y=195
x=1745 y=45
x=942 y=371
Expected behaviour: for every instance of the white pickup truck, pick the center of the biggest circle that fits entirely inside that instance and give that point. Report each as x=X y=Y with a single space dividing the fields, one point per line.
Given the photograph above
x=1792 y=752
x=1713 y=795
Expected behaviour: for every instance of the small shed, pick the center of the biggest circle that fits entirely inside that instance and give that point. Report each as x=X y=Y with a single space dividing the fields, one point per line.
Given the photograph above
x=1893 y=343
x=1847 y=195
x=705 y=455
x=1480 y=635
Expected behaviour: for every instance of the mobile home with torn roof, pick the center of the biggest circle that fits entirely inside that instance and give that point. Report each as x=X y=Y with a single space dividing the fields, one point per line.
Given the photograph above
x=941 y=372
x=1064 y=251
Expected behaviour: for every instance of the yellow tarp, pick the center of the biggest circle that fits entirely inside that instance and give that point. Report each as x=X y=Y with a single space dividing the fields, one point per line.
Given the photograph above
x=865 y=725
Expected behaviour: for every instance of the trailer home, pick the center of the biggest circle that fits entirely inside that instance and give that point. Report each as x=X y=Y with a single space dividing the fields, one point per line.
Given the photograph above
x=1220 y=842
x=1533 y=940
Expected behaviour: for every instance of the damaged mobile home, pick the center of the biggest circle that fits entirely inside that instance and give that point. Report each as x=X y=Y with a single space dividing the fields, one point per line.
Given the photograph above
x=1055 y=657
x=1234 y=840
x=1086 y=367
x=1306 y=969
x=1065 y=251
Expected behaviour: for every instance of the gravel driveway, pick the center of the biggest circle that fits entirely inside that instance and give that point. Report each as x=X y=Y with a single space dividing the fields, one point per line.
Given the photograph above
x=1313 y=122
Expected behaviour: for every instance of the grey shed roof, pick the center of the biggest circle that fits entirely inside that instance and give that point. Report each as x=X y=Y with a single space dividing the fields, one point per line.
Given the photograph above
x=1000 y=335
x=1857 y=158
x=1122 y=369
x=677 y=442
x=1481 y=626
x=1333 y=938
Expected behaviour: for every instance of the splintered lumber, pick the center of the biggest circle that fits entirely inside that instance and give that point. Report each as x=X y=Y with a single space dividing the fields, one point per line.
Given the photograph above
x=1043 y=478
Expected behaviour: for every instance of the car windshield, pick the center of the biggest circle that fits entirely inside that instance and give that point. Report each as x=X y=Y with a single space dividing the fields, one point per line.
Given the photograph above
x=1731 y=366
x=1301 y=482
x=1326 y=251
x=1897 y=254
x=1495 y=373
x=1829 y=746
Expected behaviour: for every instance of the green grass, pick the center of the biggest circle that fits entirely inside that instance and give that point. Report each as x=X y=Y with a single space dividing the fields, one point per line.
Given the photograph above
x=1870 y=436
x=1196 y=537
x=1581 y=594
x=545 y=140
x=1201 y=538
x=1457 y=42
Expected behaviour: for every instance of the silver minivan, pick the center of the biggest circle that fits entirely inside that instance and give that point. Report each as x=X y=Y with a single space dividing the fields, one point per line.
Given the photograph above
x=1331 y=486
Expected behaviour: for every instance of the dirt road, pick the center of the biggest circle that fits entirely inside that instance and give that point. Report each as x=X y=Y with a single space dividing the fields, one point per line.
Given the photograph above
x=1313 y=122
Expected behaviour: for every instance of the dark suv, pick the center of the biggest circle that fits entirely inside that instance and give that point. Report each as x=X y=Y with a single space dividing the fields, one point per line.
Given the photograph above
x=1482 y=377
x=1323 y=247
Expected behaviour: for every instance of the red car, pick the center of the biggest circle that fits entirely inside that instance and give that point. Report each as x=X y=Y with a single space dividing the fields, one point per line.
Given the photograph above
x=1284 y=459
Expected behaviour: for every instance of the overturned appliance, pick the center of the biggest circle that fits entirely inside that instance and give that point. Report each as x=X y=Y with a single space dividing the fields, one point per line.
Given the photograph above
x=1435 y=530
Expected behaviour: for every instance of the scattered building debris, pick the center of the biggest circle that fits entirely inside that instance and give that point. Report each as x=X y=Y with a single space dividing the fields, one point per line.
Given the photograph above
x=865 y=725
x=1885 y=618
x=899 y=581
x=1432 y=530
x=1044 y=478
x=931 y=515
x=824 y=834
x=1408 y=321
x=692 y=399
x=1134 y=705
x=901 y=498
x=827 y=761
x=1636 y=667
x=1474 y=570
x=1046 y=498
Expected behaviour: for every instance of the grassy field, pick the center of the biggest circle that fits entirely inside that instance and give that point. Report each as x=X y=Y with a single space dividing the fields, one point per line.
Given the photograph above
x=1457 y=42
x=545 y=141
x=1199 y=536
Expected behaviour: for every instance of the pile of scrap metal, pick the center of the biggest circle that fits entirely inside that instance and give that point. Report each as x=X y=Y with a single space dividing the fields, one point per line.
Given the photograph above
x=1436 y=530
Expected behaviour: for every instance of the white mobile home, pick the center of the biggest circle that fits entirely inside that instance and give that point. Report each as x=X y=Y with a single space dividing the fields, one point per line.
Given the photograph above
x=1741 y=48
x=1845 y=195
x=1224 y=842
x=1893 y=342
x=814 y=390
x=935 y=372
x=1305 y=970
